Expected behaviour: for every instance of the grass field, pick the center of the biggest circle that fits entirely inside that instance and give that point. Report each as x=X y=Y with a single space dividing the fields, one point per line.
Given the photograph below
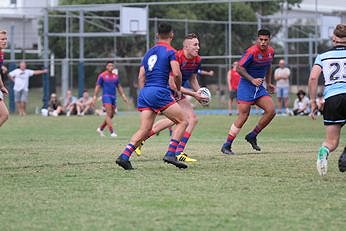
x=58 y=174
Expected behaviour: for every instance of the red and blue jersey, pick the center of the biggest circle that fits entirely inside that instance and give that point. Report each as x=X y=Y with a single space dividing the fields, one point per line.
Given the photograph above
x=109 y=82
x=156 y=63
x=188 y=67
x=257 y=62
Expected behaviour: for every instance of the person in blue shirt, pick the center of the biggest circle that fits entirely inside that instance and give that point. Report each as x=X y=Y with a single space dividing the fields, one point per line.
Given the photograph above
x=156 y=97
x=332 y=64
x=254 y=68
x=108 y=80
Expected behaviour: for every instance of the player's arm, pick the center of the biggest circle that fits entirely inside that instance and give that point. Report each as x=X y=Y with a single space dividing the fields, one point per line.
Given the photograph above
x=255 y=81
x=207 y=73
x=312 y=86
x=122 y=93
x=270 y=86
x=176 y=74
x=2 y=86
x=195 y=87
x=141 y=77
x=96 y=92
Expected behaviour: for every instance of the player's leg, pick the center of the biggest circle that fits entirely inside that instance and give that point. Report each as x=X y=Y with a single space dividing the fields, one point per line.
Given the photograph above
x=3 y=112
x=267 y=104
x=157 y=127
x=162 y=124
x=147 y=118
x=108 y=119
x=330 y=143
x=176 y=114
x=244 y=111
x=192 y=120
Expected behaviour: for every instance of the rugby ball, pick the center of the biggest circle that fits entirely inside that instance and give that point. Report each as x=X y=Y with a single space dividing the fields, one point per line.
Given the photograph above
x=205 y=92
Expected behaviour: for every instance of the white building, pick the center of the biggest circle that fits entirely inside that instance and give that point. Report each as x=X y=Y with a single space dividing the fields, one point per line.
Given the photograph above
x=22 y=16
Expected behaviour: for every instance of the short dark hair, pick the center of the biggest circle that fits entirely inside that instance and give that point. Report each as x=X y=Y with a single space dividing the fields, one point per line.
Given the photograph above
x=301 y=92
x=109 y=61
x=263 y=32
x=164 y=29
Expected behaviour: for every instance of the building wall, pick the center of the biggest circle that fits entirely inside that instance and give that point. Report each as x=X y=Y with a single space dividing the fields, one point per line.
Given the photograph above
x=23 y=17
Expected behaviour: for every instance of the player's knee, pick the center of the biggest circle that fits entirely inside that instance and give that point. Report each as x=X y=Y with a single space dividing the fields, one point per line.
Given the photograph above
x=184 y=123
x=193 y=120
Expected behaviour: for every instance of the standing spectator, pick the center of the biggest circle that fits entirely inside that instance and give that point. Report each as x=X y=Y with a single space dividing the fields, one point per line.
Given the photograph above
x=3 y=90
x=70 y=103
x=85 y=105
x=254 y=68
x=54 y=106
x=20 y=77
x=332 y=64
x=282 y=75
x=301 y=105
x=233 y=79
x=108 y=80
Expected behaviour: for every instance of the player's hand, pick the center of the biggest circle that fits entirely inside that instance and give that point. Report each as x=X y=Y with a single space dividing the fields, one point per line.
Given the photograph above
x=257 y=81
x=4 y=90
x=271 y=88
x=126 y=100
x=197 y=95
x=313 y=113
x=93 y=101
x=177 y=95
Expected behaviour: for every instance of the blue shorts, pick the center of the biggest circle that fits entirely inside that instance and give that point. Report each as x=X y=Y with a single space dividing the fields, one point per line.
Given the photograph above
x=108 y=99
x=282 y=92
x=248 y=93
x=154 y=98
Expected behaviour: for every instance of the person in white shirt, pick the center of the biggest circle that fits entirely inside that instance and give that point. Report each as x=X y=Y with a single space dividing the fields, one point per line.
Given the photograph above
x=301 y=104
x=20 y=77
x=281 y=75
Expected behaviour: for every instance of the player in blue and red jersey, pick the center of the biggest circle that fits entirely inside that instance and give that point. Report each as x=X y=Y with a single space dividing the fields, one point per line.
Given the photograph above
x=3 y=91
x=155 y=96
x=254 y=67
x=109 y=81
x=190 y=63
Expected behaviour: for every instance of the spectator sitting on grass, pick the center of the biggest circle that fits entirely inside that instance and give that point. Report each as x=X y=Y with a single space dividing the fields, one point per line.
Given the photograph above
x=54 y=106
x=301 y=104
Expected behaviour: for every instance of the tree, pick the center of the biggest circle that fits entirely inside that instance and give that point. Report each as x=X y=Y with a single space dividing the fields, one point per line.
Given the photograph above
x=212 y=35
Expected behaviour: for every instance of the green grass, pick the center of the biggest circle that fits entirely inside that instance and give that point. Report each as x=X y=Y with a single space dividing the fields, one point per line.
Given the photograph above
x=57 y=174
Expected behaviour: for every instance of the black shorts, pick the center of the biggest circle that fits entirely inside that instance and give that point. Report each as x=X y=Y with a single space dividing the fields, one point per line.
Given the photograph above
x=233 y=94
x=334 y=111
